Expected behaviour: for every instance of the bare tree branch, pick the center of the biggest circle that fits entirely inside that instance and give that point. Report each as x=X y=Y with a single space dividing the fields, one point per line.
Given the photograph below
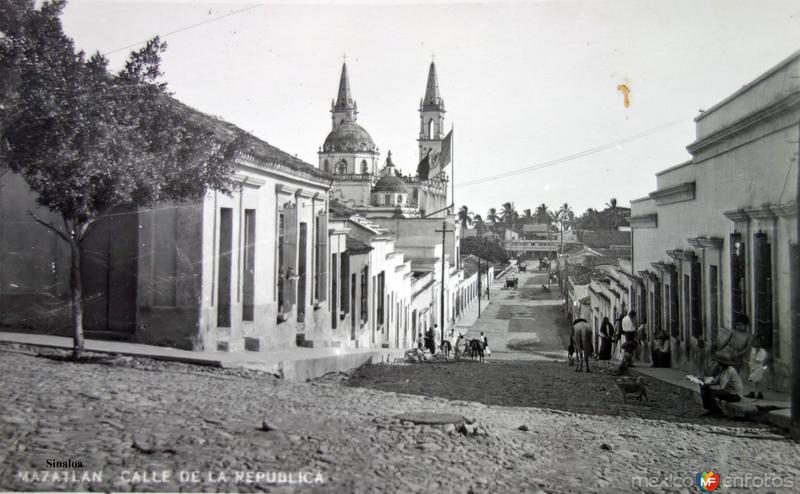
x=49 y=225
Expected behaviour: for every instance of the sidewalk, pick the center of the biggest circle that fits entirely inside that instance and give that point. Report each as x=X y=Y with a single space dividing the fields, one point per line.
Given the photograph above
x=294 y=364
x=773 y=408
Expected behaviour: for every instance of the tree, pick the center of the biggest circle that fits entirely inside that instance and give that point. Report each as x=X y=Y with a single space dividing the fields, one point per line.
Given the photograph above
x=564 y=217
x=542 y=214
x=613 y=210
x=87 y=141
x=493 y=218
x=508 y=215
x=464 y=216
x=480 y=226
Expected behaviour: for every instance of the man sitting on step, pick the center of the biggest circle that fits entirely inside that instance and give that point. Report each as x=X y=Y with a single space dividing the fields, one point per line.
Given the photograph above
x=726 y=386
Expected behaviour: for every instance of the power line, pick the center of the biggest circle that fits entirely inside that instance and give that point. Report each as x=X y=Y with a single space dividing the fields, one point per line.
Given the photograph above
x=208 y=21
x=570 y=157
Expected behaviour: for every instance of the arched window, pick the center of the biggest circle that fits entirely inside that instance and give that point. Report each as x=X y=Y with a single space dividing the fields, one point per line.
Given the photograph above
x=341 y=167
x=326 y=166
x=364 y=167
x=431 y=129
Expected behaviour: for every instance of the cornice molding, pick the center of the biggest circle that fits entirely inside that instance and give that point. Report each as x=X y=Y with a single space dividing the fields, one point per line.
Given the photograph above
x=785 y=210
x=285 y=189
x=762 y=213
x=710 y=242
x=737 y=215
x=643 y=221
x=675 y=254
x=784 y=105
x=676 y=193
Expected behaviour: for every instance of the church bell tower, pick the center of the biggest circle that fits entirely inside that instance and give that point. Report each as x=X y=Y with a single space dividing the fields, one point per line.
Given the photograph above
x=431 y=117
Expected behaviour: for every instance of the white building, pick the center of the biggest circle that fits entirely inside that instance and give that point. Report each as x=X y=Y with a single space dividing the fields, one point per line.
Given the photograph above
x=713 y=240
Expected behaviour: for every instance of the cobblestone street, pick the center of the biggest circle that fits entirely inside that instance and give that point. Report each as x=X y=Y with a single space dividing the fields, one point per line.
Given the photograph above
x=145 y=416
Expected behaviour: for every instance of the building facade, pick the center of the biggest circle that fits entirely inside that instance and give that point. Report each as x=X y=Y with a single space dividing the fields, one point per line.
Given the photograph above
x=712 y=242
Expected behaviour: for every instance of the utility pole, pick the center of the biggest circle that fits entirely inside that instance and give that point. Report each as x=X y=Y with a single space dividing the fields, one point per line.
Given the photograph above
x=444 y=231
x=795 y=252
x=480 y=293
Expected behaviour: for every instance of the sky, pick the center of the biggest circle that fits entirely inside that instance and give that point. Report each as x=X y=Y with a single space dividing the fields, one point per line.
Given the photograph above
x=524 y=83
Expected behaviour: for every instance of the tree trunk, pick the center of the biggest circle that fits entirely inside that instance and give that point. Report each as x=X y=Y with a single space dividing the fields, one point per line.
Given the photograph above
x=76 y=296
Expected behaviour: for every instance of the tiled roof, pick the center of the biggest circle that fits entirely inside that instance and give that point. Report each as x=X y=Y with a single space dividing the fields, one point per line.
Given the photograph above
x=355 y=246
x=339 y=210
x=261 y=150
x=603 y=238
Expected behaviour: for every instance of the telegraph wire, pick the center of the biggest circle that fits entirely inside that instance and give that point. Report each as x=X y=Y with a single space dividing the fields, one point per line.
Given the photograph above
x=192 y=26
x=570 y=157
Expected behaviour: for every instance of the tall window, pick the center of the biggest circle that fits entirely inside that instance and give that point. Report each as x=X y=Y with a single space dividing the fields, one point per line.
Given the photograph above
x=364 y=293
x=326 y=166
x=762 y=273
x=341 y=167
x=364 y=167
x=249 y=265
x=381 y=294
x=224 y=267
x=657 y=306
x=334 y=293
x=281 y=260
x=713 y=301
x=431 y=130
x=353 y=321
x=344 y=275
x=738 y=269
x=696 y=308
x=387 y=199
x=302 y=272
x=687 y=300
x=321 y=257
x=674 y=305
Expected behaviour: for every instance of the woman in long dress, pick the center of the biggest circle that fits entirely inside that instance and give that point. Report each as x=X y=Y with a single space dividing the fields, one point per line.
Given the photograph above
x=606 y=333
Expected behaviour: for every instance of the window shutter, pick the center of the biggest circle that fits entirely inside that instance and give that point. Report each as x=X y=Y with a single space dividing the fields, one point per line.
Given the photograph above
x=290 y=256
x=737 y=253
x=345 y=277
x=762 y=268
x=674 y=304
x=322 y=257
x=697 y=329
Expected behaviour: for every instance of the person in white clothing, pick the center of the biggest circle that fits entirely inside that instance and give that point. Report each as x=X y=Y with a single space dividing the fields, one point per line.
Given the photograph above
x=758 y=365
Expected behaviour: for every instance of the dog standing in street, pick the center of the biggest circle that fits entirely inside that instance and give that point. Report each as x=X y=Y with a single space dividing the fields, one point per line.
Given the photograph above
x=630 y=386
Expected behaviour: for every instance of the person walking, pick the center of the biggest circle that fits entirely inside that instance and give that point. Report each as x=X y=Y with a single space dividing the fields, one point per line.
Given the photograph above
x=606 y=334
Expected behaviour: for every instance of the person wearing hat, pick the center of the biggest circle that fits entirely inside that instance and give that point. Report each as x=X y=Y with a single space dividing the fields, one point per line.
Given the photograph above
x=726 y=386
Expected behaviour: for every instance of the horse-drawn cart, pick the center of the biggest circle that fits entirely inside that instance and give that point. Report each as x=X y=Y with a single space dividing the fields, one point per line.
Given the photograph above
x=511 y=283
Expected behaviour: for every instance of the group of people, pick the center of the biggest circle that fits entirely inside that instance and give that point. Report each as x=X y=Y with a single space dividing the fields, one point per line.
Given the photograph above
x=623 y=342
x=455 y=343
x=627 y=342
x=725 y=385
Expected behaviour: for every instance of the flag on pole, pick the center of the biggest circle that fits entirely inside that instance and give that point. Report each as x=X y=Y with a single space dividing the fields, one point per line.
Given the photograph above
x=445 y=156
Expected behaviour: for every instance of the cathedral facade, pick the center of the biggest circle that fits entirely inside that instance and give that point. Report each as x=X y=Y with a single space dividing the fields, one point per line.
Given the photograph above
x=351 y=156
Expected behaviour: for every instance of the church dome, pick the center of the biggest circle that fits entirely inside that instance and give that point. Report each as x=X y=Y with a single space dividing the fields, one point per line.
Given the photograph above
x=390 y=183
x=348 y=137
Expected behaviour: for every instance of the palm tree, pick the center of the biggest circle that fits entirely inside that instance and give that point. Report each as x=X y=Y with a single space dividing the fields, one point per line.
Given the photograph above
x=493 y=218
x=527 y=216
x=613 y=210
x=464 y=217
x=564 y=218
x=542 y=214
x=508 y=214
x=480 y=226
